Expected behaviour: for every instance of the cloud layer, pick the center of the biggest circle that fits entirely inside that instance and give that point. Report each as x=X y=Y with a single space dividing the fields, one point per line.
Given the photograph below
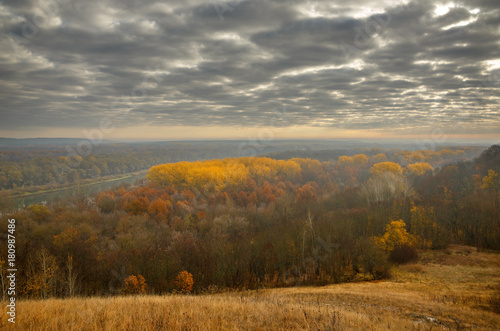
x=376 y=66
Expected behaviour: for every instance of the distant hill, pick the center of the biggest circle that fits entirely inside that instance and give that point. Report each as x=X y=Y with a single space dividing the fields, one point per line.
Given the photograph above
x=30 y=142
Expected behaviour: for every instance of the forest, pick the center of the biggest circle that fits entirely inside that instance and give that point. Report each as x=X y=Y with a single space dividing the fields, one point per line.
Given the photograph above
x=53 y=165
x=49 y=165
x=257 y=222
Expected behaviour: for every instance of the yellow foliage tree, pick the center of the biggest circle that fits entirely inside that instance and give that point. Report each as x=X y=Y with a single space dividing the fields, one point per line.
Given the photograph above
x=235 y=174
x=490 y=182
x=384 y=167
x=345 y=160
x=360 y=159
x=218 y=175
x=289 y=170
x=395 y=236
x=419 y=169
x=261 y=171
x=310 y=169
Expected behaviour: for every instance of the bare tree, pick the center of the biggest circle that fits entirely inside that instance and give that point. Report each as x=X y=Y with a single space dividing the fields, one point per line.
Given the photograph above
x=71 y=276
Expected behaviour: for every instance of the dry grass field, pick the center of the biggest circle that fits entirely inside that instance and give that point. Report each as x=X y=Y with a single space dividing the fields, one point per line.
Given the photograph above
x=447 y=290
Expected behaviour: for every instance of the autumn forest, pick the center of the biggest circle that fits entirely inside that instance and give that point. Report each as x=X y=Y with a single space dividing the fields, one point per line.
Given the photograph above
x=284 y=219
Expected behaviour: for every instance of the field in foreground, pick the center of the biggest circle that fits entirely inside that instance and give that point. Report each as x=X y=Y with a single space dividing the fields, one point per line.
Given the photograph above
x=452 y=289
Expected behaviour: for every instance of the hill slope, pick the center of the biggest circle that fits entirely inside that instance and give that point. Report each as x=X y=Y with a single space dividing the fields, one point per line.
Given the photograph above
x=448 y=289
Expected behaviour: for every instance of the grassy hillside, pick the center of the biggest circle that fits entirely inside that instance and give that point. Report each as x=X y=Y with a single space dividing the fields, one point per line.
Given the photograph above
x=457 y=288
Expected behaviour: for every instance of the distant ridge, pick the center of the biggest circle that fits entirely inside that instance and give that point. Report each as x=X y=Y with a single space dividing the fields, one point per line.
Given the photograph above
x=26 y=142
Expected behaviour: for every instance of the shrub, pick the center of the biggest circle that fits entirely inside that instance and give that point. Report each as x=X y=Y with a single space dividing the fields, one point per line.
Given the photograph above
x=371 y=259
x=403 y=254
x=381 y=272
x=106 y=202
x=184 y=282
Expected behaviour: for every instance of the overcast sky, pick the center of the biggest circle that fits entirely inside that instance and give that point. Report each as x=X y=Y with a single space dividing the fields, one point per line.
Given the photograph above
x=280 y=69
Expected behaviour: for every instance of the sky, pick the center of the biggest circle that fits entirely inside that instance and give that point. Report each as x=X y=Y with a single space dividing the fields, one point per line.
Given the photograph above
x=130 y=69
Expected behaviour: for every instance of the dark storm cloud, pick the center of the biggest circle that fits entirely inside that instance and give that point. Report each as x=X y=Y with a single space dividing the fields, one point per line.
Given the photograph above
x=363 y=65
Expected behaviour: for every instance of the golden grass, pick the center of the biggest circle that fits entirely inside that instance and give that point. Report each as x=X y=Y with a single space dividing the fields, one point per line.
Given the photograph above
x=434 y=294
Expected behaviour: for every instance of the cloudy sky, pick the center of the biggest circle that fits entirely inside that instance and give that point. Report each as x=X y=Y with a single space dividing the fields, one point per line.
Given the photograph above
x=276 y=68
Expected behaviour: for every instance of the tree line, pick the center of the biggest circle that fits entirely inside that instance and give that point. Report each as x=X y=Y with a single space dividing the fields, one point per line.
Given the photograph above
x=51 y=166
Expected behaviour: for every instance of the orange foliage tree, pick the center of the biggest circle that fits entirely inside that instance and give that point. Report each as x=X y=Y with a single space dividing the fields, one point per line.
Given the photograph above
x=184 y=282
x=159 y=208
x=307 y=192
x=241 y=199
x=69 y=236
x=138 y=205
x=252 y=199
x=135 y=285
